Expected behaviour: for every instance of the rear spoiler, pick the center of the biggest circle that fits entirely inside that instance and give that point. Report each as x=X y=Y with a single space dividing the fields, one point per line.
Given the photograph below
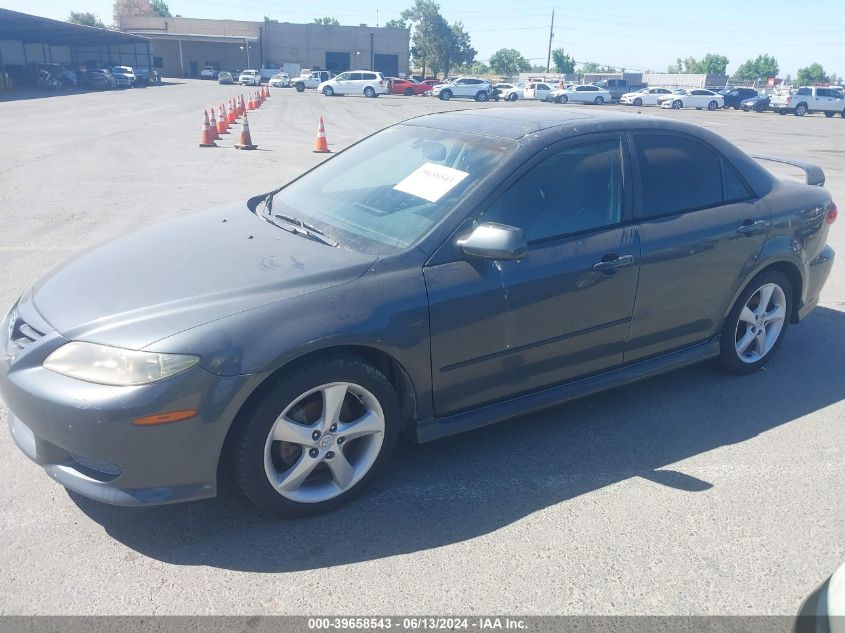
x=814 y=173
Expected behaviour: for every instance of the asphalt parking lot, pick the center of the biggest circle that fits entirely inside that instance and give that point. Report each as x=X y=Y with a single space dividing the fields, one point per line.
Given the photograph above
x=689 y=493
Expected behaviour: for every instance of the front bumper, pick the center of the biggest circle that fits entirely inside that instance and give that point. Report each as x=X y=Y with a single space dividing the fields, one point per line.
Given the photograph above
x=81 y=433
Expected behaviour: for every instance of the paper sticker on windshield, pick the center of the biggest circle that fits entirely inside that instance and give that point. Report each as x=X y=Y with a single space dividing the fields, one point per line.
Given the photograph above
x=431 y=181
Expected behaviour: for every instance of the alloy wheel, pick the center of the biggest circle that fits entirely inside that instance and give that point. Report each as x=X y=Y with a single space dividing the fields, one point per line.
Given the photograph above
x=760 y=323
x=324 y=442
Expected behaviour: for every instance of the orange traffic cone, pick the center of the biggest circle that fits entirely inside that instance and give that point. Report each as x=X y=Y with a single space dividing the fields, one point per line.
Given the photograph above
x=206 y=139
x=250 y=103
x=267 y=92
x=230 y=112
x=257 y=98
x=222 y=124
x=238 y=107
x=321 y=145
x=212 y=125
x=245 y=141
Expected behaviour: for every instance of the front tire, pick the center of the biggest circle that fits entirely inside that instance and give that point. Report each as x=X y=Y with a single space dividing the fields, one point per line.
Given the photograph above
x=446 y=95
x=562 y=99
x=317 y=438
x=328 y=91
x=713 y=106
x=677 y=104
x=638 y=102
x=757 y=323
x=829 y=115
x=512 y=97
x=409 y=92
x=300 y=87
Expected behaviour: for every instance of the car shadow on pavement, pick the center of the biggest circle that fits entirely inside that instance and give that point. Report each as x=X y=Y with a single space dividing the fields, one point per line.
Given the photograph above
x=473 y=484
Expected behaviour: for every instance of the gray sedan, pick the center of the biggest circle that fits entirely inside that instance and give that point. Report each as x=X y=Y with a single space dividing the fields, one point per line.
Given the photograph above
x=444 y=274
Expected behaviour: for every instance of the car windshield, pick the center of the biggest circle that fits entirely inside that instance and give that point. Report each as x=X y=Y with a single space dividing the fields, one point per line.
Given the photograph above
x=386 y=192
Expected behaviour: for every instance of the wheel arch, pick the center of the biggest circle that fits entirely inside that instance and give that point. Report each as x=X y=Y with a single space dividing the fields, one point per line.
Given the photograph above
x=393 y=370
x=788 y=268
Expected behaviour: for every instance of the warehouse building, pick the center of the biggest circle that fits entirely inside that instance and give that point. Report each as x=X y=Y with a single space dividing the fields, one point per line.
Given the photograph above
x=182 y=46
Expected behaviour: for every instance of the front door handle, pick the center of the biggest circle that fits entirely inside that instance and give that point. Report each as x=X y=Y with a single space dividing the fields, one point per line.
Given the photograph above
x=611 y=262
x=751 y=226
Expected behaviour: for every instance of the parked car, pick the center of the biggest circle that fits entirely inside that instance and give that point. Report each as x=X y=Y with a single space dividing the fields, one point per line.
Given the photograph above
x=697 y=98
x=509 y=92
x=407 y=87
x=537 y=90
x=224 y=77
x=823 y=611
x=644 y=96
x=733 y=97
x=355 y=82
x=760 y=103
x=809 y=99
x=124 y=76
x=209 y=72
x=467 y=87
x=617 y=87
x=99 y=79
x=311 y=79
x=143 y=76
x=410 y=293
x=279 y=80
x=431 y=82
x=249 y=78
x=580 y=94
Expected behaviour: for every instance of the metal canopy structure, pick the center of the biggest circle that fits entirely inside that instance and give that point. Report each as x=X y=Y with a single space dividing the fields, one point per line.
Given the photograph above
x=32 y=29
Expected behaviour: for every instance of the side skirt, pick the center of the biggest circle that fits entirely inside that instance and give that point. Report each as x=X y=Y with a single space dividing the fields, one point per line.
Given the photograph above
x=436 y=428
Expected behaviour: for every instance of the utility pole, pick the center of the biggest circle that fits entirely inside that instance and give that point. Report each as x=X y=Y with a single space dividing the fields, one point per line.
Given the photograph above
x=551 y=35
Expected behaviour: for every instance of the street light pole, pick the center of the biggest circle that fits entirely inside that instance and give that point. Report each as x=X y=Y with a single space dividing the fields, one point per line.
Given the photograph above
x=372 y=52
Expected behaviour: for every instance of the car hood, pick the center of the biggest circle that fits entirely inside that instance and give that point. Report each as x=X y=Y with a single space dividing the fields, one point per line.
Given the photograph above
x=140 y=288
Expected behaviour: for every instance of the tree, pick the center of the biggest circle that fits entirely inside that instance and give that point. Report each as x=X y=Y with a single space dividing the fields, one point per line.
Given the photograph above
x=475 y=68
x=508 y=61
x=812 y=74
x=564 y=64
x=160 y=8
x=712 y=64
x=592 y=67
x=327 y=21
x=85 y=19
x=131 y=7
x=397 y=23
x=459 y=52
x=760 y=67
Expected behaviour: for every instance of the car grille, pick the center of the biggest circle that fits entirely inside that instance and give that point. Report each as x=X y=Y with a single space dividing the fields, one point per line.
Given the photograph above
x=21 y=334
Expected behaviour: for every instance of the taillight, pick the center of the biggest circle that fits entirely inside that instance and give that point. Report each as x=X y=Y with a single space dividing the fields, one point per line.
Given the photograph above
x=832 y=212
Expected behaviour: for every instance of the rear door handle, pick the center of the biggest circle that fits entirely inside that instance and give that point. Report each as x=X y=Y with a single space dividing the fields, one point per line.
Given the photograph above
x=617 y=262
x=750 y=226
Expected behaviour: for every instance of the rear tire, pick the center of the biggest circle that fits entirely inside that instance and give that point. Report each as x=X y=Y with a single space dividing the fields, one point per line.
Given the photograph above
x=598 y=100
x=300 y=87
x=481 y=95
x=369 y=92
x=753 y=332
x=829 y=115
x=801 y=109
x=313 y=473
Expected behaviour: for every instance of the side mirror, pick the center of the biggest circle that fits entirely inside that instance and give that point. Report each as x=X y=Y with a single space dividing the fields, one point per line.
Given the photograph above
x=495 y=241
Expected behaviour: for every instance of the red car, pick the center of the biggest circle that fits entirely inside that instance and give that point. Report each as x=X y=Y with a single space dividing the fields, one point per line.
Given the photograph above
x=407 y=87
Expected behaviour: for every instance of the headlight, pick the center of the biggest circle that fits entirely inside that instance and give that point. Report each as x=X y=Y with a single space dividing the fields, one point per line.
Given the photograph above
x=114 y=366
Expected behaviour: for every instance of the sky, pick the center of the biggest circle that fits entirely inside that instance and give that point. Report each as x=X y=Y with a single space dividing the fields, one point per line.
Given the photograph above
x=646 y=35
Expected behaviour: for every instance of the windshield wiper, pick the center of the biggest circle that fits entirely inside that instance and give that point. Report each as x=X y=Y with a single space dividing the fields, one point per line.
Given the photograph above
x=296 y=225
